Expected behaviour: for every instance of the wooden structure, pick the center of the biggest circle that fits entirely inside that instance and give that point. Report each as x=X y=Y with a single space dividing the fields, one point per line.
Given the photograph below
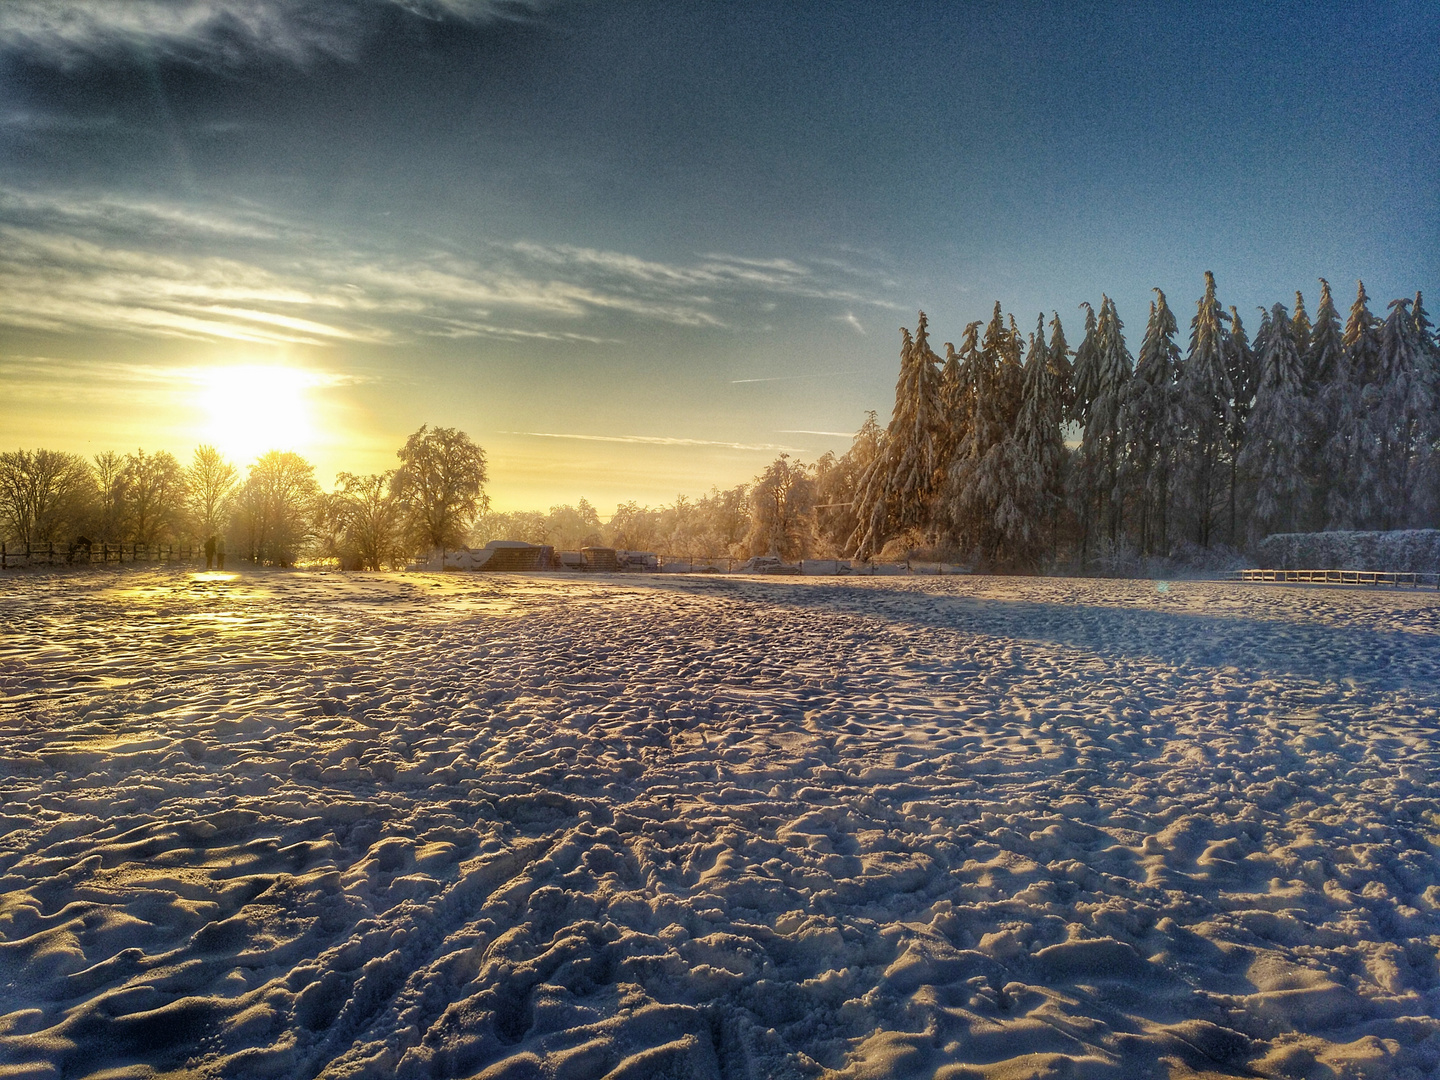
x=15 y=555
x=1396 y=579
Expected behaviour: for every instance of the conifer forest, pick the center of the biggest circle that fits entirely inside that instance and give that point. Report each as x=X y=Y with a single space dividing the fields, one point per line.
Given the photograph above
x=1019 y=452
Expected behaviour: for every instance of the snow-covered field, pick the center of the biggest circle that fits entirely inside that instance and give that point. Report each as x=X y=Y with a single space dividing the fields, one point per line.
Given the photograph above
x=298 y=824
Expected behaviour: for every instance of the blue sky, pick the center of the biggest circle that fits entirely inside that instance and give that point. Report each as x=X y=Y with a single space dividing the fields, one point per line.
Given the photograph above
x=636 y=249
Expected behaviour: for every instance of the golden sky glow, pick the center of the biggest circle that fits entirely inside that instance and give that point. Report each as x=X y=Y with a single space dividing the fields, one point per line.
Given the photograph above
x=251 y=408
x=317 y=226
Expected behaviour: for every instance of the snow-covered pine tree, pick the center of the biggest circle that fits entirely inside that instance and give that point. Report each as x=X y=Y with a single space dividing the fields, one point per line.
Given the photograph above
x=897 y=490
x=837 y=482
x=1362 y=337
x=1063 y=368
x=1324 y=367
x=1275 y=442
x=1037 y=450
x=979 y=475
x=1262 y=334
x=1300 y=326
x=1423 y=326
x=953 y=410
x=1350 y=454
x=1206 y=410
x=1399 y=427
x=1100 y=444
x=1086 y=373
x=957 y=392
x=1085 y=376
x=1009 y=372
x=1428 y=484
x=1240 y=368
x=1058 y=356
x=1150 y=426
x=1034 y=448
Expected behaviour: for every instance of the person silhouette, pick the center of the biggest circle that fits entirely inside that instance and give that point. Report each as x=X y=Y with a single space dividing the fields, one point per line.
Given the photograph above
x=209 y=552
x=219 y=553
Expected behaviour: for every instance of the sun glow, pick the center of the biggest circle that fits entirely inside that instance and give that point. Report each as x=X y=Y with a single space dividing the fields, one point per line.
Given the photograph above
x=250 y=409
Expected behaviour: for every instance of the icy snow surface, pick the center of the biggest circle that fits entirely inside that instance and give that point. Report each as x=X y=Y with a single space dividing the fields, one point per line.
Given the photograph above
x=300 y=824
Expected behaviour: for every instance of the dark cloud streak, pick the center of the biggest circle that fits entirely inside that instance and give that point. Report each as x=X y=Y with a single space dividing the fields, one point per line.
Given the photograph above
x=222 y=34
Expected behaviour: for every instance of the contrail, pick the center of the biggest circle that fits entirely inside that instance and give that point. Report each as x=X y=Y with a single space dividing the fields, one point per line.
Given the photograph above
x=789 y=378
x=655 y=440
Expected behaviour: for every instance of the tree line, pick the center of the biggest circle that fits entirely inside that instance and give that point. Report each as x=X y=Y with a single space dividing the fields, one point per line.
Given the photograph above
x=275 y=515
x=1013 y=451
x=1017 y=451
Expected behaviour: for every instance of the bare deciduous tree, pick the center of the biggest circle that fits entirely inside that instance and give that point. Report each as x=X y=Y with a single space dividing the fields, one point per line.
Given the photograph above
x=210 y=486
x=152 y=496
x=783 y=516
x=634 y=527
x=366 y=520
x=105 y=523
x=44 y=495
x=440 y=486
x=274 y=512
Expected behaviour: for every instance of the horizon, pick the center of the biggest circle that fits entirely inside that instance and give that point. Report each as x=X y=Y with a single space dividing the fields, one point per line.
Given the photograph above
x=633 y=251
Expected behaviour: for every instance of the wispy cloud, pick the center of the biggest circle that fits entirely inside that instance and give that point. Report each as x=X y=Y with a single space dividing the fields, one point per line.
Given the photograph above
x=655 y=440
x=112 y=264
x=126 y=385
x=808 y=431
x=725 y=273
x=217 y=33
x=460 y=328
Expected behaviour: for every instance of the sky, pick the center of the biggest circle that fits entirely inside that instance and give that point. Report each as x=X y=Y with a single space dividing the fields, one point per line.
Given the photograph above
x=635 y=249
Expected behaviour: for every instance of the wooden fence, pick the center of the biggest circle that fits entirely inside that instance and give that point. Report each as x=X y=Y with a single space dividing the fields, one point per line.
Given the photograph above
x=64 y=555
x=1395 y=579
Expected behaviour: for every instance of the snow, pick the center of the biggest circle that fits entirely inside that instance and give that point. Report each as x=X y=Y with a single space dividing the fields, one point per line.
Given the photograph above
x=451 y=825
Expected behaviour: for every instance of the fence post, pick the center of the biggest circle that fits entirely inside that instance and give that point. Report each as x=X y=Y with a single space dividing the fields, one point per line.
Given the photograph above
x=2 y=556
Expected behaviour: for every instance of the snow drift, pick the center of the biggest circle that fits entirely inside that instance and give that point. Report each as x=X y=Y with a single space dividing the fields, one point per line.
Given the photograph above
x=290 y=824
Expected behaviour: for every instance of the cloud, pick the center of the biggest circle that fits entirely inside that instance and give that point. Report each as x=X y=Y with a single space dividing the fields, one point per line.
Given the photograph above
x=460 y=328
x=120 y=386
x=809 y=431
x=74 y=262
x=217 y=33
x=712 y=272
x=655 y=440
x=850 y=320
x=123 y=217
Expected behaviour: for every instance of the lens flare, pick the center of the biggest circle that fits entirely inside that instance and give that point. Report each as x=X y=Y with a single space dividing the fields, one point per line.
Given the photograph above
x=250 y=409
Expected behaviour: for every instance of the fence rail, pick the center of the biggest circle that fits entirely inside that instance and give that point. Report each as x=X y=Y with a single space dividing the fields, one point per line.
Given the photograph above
x=65 y=555
x=1394 y=578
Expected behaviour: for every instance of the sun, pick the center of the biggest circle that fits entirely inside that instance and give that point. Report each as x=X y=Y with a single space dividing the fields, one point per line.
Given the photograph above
x=250 y=409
